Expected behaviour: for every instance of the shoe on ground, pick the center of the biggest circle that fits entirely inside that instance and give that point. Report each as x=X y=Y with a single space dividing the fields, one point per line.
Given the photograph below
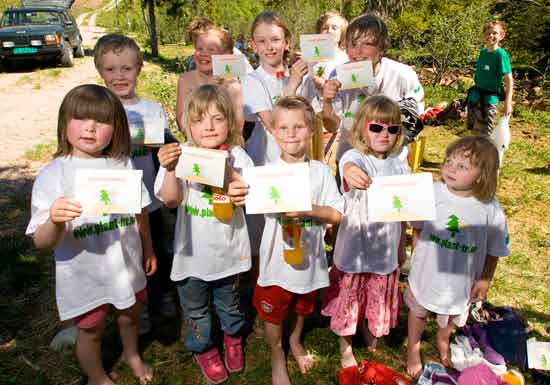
x=233 y=353
x=212 y=366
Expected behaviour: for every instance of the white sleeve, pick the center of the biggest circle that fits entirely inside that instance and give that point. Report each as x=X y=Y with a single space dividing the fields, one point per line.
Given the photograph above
x=498 y=238
x=255 y=97
x=240 y=159
x=411 y=88
x=45 y=191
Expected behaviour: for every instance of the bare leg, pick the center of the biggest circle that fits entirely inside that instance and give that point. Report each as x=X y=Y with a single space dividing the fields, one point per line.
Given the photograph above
x=88 y=352
x=279 y=372
x=346 y=350
x=128 y=325
x=368 y=338
x=302 y=357
x=416 y=328
x=442 y=339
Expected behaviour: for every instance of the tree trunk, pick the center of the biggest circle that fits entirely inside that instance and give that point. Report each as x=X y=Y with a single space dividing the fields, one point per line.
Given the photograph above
x=153 y=28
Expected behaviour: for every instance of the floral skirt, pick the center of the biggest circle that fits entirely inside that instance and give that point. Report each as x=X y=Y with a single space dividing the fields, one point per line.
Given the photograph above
x=352 y=297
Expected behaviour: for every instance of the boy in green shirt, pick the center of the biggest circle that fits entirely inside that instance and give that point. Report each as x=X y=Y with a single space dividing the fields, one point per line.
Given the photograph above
x=492 y=66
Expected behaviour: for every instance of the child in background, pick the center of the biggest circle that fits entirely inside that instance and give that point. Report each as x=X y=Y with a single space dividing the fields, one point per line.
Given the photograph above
x=270 y=40
x=208 y=254
x=367 y=39
x=284 y=289
x=492 y=66
x=118 y=60
x=364 y=280
x=94 y=271
x=455 y=256
x=208 y=39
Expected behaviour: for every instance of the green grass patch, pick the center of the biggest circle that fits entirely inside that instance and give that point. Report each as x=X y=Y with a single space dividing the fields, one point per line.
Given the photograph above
x=41 y=152
x=434 y=94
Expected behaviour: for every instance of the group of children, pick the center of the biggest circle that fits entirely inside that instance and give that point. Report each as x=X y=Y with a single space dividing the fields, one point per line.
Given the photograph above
x=451 y=265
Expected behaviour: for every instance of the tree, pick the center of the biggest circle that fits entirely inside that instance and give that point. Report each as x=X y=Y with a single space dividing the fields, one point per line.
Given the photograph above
x=452 y=225
x=151 y=25
x=104 y=197
x=397 y=203
x=274 y=194
x=196 y=169
x=384 y=8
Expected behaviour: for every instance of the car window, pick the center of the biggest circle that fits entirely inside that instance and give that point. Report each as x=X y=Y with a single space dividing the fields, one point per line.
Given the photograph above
x=30 y=17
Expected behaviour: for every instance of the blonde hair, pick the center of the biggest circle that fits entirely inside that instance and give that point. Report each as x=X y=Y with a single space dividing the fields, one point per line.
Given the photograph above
x=202 y=25
x=482 y=154
x=115 y=42
x=272 y=18
x=370 y=25
x=324 y=19
x=199 y=103
x=380 y=109
x=90 y=101
x=296 y=103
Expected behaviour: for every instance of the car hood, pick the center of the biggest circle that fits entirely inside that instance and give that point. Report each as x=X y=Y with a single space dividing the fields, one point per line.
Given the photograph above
x=22 y=30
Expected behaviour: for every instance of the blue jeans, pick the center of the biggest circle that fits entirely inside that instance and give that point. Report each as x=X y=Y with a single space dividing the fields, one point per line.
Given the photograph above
x=194 y=294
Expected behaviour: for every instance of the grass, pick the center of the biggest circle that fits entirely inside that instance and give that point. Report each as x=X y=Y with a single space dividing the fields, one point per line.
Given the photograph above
x=28 y=315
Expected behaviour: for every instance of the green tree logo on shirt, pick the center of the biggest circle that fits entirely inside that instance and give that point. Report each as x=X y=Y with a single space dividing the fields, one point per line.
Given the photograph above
x=207 y=194
x=196 y=169
x=274 y=195
x=104 y=197
x=361 y=98
x=348 y=114
x=452 y=225
x=397 y=203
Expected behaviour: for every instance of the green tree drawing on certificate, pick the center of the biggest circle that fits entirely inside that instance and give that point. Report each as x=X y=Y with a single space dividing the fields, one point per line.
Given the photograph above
x=543 y=360
x=361 y=98
x=104 y=197
x=274 y=194
x=140 y=134
x=196 y=169
x=397 y=203
x=320 y=71
x=316 y=52
x=354 y=78
x=452 y=225
x=227 y=69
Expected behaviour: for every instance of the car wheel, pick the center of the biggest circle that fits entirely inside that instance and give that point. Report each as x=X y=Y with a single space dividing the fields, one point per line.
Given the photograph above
x=79 y=51
x=67 y=57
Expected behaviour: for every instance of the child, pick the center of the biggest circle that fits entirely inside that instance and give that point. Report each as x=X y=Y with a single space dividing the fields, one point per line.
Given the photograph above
x=118 y=60
x=270 y=40
x=99 y=269
x=492 y=65
x=208 y=39
x=365 y=277
x=367 y=39
x=283 y=288
x=208 y=254
x=456 y=255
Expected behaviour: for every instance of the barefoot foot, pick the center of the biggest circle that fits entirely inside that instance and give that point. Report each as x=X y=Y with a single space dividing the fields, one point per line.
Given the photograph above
x=414 y=364
x=369 y=340
x=101 y=381
x=279 y=372
x=142 y=371
x=303 y=358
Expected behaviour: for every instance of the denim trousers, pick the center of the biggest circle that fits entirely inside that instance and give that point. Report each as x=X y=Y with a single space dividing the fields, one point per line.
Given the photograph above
x=194 y=294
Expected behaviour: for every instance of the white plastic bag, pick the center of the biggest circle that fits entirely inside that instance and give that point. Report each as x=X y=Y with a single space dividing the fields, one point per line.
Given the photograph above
x=501 y=137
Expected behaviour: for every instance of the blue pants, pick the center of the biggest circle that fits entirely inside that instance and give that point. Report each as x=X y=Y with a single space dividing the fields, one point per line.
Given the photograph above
x=194 y=294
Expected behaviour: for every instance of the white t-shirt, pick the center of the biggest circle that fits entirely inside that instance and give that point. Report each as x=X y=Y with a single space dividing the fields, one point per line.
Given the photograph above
x=204 y=247
x=451 y=252
x=260 y=92
x=363 y=246
x=99 y=260
x=394 y=80
x=312 y=274
x=142 y=155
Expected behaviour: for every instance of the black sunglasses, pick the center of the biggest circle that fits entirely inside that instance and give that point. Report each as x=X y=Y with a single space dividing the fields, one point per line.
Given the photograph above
x=393 y=129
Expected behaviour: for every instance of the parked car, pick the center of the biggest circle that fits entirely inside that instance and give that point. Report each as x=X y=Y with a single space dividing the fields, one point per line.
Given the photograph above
x=40 y=30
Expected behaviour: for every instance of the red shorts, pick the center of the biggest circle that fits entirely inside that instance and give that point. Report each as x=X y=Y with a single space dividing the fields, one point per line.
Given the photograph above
x=273 y=303
x=95 y=316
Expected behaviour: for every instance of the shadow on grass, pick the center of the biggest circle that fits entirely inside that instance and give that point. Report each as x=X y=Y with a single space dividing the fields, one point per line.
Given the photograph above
x=544 y=170
x=168 y=65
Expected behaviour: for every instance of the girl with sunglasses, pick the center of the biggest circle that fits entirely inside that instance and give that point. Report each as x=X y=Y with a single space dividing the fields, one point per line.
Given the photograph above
x=364 y=281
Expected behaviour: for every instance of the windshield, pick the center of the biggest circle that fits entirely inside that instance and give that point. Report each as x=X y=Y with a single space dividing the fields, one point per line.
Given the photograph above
x=11 y=19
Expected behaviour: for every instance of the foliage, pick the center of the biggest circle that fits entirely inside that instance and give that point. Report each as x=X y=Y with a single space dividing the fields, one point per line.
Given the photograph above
x=5 y=4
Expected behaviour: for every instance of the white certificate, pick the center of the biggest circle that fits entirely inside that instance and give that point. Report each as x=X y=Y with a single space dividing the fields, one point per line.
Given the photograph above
x=356 y=75
x=202 y=165
x=108 y=191
x=401 y=198
x=538 y=354
x=317 y=47
x=278 y=188
x=228 y=66
x=148 y=129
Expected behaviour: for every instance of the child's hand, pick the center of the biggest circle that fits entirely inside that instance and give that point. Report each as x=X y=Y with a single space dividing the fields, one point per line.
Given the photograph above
x=507 y=108
x=294 y=214
x=297 y=73
x=330 y=89
x=355 y=177
x=149 y=264
x=318 y=82
x=168 y=156
x=479 y=290
x=237 y=189
x=64 y=210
